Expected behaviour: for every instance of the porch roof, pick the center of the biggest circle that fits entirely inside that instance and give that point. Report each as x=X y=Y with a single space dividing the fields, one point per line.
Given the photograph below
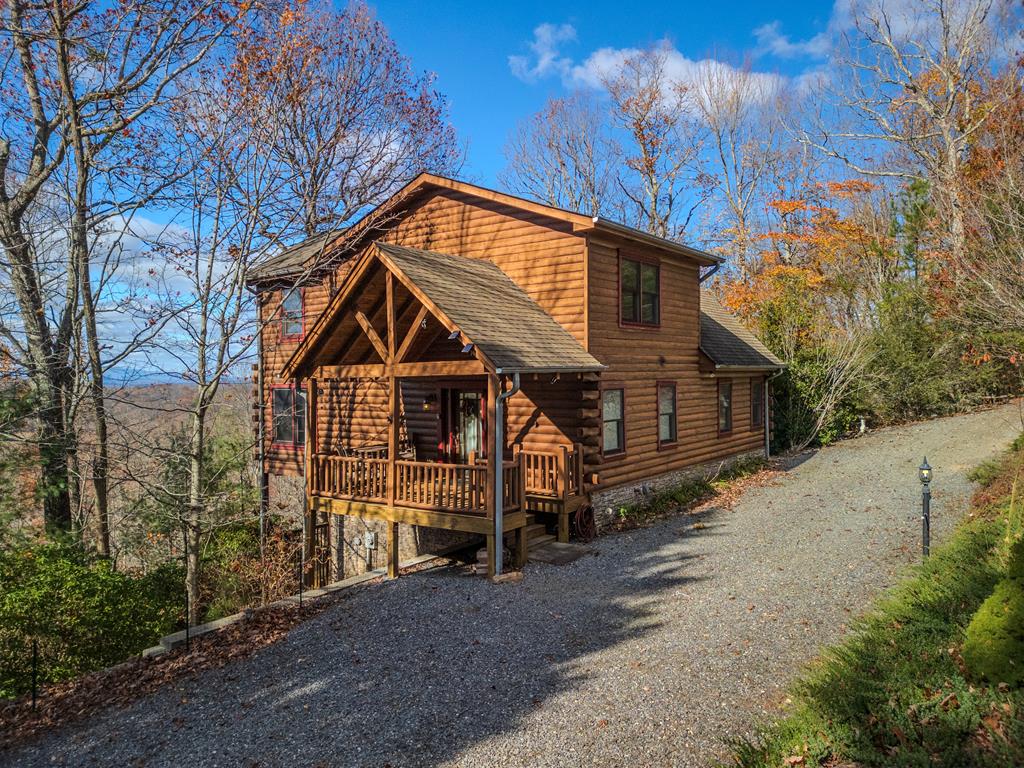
x=511 y=332
x=491 y=311
x=727 y=343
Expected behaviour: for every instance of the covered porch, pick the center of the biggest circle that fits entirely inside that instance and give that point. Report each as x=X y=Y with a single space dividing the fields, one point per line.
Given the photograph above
x=409 y=373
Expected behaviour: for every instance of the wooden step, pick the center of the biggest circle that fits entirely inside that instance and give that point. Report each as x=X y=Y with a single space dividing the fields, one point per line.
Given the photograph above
x=535 y=530
x=539 y=541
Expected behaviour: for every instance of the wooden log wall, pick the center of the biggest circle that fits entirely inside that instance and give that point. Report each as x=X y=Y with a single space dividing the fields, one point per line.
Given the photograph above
x=638 y=358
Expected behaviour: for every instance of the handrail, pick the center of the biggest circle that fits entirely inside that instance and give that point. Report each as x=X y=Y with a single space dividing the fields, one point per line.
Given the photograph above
x=458 y=488
x=556 y=474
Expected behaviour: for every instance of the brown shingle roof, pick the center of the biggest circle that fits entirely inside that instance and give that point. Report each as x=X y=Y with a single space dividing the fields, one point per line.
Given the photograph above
x=292 y=260
x=491 y=311
x=727 y=342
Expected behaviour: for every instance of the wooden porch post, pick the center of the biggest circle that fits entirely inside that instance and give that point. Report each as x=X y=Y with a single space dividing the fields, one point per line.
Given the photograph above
x=494 y=542
x=522 y=540
x=394 y=408
x=563 y=513
x=310 y=447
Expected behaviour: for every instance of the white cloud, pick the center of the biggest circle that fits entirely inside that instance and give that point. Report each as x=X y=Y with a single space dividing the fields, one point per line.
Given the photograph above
x=546 y=58
x=602 y=64
x=906 y=20
x=770 y=39
x=679 y=68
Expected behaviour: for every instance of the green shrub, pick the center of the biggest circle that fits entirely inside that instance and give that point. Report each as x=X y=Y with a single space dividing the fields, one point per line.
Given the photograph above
x=994 y=647
x=83 y=613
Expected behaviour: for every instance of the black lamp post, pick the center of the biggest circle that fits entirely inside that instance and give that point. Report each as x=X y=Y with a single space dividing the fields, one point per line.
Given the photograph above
x=925 y=473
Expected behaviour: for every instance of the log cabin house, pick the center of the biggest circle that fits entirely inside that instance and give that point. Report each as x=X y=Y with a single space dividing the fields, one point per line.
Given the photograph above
x=462 y=362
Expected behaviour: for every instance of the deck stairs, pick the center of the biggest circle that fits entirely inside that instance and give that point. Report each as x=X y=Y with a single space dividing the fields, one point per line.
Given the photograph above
x=536 y=535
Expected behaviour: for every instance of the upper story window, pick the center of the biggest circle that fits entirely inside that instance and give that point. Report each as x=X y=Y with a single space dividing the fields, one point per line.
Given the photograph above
x=289 y=416
x=292 y=315
x=757 y=402
x=613 y=416
x=639 y=292
x=666 y=412
x=724 y=405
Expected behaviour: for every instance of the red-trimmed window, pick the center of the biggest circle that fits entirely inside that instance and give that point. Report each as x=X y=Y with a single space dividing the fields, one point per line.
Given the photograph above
x=292 y=315
x=613 y=416
x=288 y=424
x=666 y=412
x=724 y=406
x=757 y=402
x=639 y=292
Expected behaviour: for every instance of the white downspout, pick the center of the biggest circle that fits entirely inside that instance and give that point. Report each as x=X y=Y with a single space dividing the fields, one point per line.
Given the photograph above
x=499 y=474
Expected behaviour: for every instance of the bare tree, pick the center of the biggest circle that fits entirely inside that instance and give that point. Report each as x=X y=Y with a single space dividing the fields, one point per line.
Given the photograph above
x=910 y=99
x=662 y=182
x=343 y=113
x=76 y=77
x=740 y=110
x=564 y=156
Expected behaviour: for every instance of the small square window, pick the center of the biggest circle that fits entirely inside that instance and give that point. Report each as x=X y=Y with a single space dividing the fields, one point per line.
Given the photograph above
x=613 y=416
x=666 y=413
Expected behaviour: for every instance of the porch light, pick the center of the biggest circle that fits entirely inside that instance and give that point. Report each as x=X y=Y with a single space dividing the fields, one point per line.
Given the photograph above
x=430 y=403
x=925 y=472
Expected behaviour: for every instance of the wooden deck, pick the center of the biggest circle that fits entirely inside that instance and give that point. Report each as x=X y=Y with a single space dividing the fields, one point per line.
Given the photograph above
x=445 y=495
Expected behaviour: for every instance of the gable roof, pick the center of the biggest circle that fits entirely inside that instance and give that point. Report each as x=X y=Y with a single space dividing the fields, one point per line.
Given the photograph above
x=727 y=342
x=291 y=262
x=479 y=301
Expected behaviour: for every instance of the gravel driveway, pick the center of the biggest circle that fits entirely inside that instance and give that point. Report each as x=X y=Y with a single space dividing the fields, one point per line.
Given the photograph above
x=653 y=652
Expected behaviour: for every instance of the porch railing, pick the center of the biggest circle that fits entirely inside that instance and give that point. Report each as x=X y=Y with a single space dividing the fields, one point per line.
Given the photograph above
x=458 y=488
x=553 y=474
x=350 y=477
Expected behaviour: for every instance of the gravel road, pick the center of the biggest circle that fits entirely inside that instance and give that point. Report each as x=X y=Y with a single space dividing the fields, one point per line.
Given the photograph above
x=651 y=652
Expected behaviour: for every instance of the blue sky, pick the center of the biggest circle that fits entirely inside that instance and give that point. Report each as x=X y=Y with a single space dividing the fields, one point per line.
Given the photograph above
x=468 y=46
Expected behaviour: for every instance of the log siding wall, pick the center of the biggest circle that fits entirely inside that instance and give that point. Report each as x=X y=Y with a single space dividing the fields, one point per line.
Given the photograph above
x=641 y=357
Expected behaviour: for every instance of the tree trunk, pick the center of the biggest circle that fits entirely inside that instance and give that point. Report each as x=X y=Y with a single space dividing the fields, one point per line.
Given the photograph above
x=53 y=461
x=196 y=503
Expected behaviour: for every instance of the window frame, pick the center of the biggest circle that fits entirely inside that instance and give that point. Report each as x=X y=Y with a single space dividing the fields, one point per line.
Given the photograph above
x=731 y=407
x=757 y=407
x=294 y=444
x=640 y=261
x=282 y=335
x=659 y=385
x=614 y=387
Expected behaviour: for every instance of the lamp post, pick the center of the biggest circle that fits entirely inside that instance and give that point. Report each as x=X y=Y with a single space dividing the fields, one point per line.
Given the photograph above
x=925 y=474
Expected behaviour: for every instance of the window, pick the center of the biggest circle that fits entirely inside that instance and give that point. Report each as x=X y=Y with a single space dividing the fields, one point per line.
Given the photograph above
x=724 y=406
x=666 y=413
x=292 y=315
x=757 y=402
x=614 y=418
x=639 y=288
x=289 y=416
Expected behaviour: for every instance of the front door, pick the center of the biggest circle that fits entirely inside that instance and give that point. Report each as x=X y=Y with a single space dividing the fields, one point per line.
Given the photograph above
x=463 y=429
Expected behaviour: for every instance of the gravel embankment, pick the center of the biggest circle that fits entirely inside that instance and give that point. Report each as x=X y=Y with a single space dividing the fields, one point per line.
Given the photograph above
x=652 y=652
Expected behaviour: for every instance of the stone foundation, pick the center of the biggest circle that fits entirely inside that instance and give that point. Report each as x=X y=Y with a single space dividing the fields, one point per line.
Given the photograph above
x=351 y=556
x=607 y=502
